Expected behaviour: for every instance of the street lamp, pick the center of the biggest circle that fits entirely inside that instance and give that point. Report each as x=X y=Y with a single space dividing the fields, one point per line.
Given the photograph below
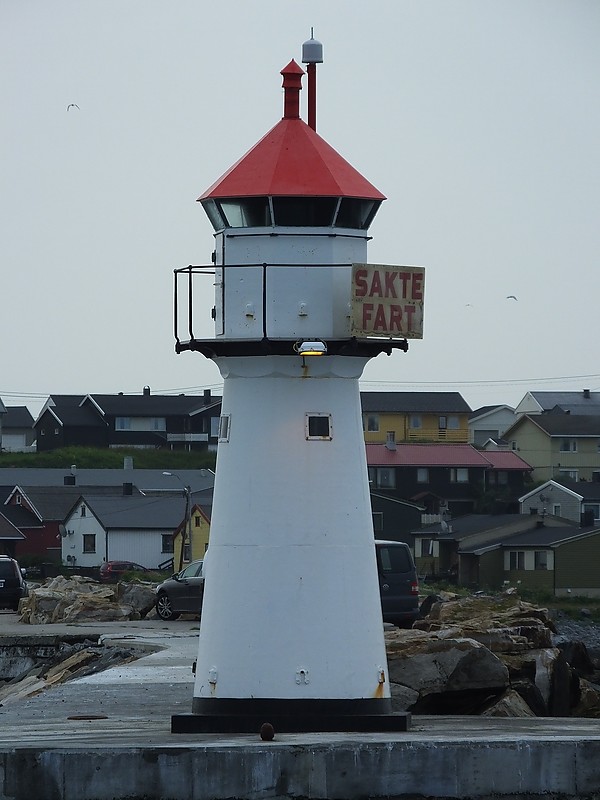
x=186 y=536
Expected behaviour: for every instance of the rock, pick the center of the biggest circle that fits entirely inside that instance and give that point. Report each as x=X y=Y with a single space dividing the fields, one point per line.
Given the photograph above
x=78 y=599
x=430 y=664
x=403 y=698
x=510 y=704
x=588 y=705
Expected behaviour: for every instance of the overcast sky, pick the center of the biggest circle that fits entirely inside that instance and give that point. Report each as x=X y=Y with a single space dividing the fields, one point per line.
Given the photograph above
x=478 y=119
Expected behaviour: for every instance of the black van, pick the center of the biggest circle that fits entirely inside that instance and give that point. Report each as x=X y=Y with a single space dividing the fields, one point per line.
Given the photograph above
x=12 y=583
x=398 y=584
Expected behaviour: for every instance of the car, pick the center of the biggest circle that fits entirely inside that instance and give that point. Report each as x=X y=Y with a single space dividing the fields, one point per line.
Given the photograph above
x=398 y=583
x=112 y=571
x=13 y=585
x=182 y=593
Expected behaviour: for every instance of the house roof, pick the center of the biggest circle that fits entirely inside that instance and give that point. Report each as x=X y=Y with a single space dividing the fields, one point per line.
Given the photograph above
x=563 y=424
x=55 y=502
x=146 y=513
x=17 y=417
x=550 y=537
x=575 y=402
x=146 y=480
x=414 y=402
x=507 y=460
x=8 y=531
x=471 y=524
x=587 y=490
x=152 y=404
x=68 y=409
x=487 y=410
x=438 y=455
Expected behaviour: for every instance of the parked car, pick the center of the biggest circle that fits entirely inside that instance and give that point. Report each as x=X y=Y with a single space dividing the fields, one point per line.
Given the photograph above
x=181 y=593
x=398 y=583
x=12 y=583
x=112 y=571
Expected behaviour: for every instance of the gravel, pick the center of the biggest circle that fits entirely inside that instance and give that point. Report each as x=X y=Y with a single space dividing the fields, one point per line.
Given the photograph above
x=572 y=630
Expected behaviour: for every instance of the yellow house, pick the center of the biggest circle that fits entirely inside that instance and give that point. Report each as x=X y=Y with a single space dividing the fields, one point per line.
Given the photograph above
x=197 y=532
x=390 y=417
x=558 y=445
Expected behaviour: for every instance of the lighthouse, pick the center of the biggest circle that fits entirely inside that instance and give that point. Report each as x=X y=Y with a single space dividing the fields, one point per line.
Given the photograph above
x=291 y=629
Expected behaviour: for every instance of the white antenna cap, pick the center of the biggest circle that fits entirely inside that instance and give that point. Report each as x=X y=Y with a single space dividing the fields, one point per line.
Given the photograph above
x=312 y=51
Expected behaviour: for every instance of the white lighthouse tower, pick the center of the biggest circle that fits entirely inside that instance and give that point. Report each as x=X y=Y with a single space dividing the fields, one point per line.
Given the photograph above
x=291 y=631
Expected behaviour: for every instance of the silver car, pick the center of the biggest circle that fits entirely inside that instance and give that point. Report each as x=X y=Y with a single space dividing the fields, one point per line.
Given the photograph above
x=181 y=593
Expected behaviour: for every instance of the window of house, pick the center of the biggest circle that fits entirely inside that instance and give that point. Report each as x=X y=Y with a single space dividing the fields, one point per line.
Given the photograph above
x=187 y=551
x=426 y=547
x=122 y=423
x=442 y=423
x=377 y=520
x=556 y=509
x=513 y=445
x=592 y=508
x=568 y=445
x=422 y=474
x=453 y=423
x=516 y=559
x=83 y=511
x=382 y=477
x=318 y=426
x=214 y=427
x=414 y=421
x=540 y=559
x=459 y=475
x=371 y=422
x=42 y=431
x=89 y=542
x=197 y=521
x=502 y=477
x=224 y=426
x=573 y=474
x=167 y=543
x=18 y=499
x=390 y=437
x=56 y=431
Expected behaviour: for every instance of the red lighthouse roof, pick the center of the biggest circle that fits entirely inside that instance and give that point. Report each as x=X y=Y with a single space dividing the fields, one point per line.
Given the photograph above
x=292 y=160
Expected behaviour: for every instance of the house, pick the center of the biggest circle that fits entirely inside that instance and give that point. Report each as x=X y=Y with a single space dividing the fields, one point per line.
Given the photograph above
x=393 y=518
x=534 y=553
x=134 y=528
x=39 y=507
x=16 y=430
x=442 y=478
x=174 y=422
x=583 y=403
x=414 y=417
x=577 y=501
x=489 y=422
x=560 y=560
x=558 y=445
x=198 y=531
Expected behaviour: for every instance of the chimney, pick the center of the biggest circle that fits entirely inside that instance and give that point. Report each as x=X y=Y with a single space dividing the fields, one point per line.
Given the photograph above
x=146 y=391
x=390 y=441
x=207 y=396
x=127 y=489
x=586 y=394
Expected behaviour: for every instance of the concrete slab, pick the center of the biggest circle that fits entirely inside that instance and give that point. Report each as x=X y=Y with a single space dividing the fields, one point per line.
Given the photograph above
x=107 y=736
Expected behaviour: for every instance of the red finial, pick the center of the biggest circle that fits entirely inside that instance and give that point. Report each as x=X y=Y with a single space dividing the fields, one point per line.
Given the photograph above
x=292 y=83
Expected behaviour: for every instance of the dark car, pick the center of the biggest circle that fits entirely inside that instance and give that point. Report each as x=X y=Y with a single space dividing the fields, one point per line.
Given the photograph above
x=181 y=593
x=398 y=584
x=112 y=571
x=12 y=583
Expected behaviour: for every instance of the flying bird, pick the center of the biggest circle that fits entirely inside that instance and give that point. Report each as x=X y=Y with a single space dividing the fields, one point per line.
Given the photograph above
x=73 y=105
x=511 y=297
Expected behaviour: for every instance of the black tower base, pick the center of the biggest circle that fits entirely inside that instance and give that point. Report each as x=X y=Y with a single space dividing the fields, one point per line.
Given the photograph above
x=290 y=716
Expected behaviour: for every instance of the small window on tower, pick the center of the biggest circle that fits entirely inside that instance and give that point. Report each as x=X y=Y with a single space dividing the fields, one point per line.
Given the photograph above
x=318 y=426
x=224 y=425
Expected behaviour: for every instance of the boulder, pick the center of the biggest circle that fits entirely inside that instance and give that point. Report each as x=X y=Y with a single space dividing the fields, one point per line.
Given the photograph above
x=510 y=704
x=79 y=599
x=589 y=700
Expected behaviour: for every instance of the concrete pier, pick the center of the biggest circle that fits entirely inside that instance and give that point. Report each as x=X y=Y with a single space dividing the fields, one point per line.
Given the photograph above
x=107 y=737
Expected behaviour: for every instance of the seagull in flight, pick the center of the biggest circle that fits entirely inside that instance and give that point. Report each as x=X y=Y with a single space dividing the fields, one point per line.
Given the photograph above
x=511 y=297
x=73 y=105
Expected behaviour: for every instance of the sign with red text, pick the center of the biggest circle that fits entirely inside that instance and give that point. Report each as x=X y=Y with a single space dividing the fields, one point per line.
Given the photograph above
x=387 y=301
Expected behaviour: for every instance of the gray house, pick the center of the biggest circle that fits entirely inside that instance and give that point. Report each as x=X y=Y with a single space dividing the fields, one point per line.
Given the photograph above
x=17 y=434
x=573 y=500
